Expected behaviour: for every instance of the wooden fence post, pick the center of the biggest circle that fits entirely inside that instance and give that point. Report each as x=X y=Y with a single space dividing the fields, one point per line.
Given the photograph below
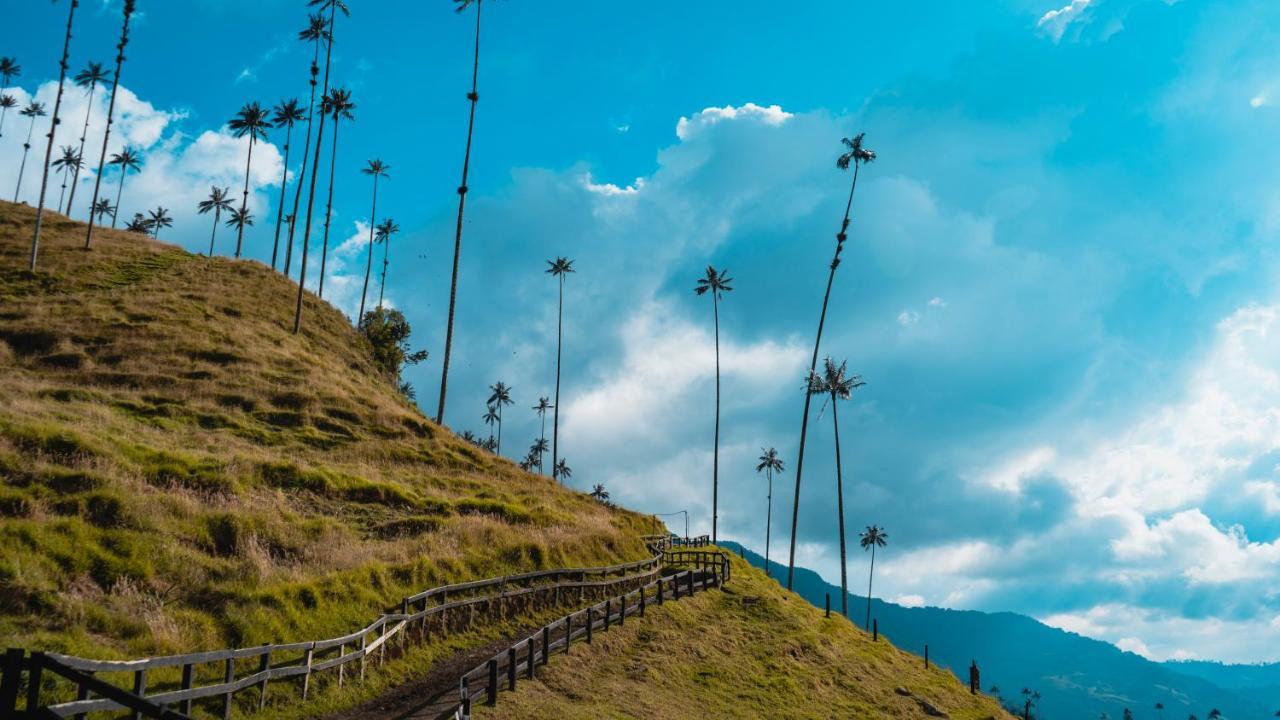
x=364 y=643
x=533 y=647
x=661 y=582
x=590 y=622
x=546 y=644
x=306 y=677
x=568 y=632
x=34 y=670
x=675 y=587
x=491 y=696
x=465 y=692
x=690 y=576
x=139 y=689
x=608 y=607
x=642 y=594
x=11 y=680
x=511 y=668
x=82 y=693
x=228 y=675
x=188 y=673
x=342 y=664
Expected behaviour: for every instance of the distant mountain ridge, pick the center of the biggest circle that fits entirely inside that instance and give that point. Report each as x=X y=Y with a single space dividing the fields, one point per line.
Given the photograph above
x=1078 y=677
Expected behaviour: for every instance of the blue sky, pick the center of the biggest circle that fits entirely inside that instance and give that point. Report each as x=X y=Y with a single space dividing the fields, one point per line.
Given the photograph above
x=1058 y=285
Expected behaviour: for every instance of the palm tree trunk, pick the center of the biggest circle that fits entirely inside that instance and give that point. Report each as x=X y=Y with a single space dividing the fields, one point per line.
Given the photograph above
x=328 y=208
x=870 y=576
x=813 y=366
x=111 y=112
x=768 y=524
x=244 y=198
x=474 y=97
x=217 y=215
x=284 y=185
x=26 y=149
x=844 y=564
x=499 y=428
x=63 y=192
x=4 y=112
x=119 y=194
x=311 y=193
x=53 y=126
x=382 y=285
x=368 y=270
x=715 y=459
x=555 y=416
x=75 y=177
x=302 y=173
x=543 y=436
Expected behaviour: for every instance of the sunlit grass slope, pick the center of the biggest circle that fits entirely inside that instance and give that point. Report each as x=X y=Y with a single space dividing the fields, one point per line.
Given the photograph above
x=179 y=471
x=752 y=651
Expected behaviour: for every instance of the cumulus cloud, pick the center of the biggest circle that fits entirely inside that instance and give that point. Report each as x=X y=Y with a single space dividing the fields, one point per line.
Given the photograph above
x=1055 y=22
x=771 y=115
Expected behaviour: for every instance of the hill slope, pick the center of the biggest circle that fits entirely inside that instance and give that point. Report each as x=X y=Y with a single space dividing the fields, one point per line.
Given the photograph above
x=181 y=472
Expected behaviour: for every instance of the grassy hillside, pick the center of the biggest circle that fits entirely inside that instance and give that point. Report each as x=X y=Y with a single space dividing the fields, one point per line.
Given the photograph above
x=179 y=471
x=753 y=650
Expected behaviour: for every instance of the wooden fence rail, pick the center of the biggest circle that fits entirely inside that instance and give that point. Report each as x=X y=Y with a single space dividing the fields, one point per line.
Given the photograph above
x=302 y=660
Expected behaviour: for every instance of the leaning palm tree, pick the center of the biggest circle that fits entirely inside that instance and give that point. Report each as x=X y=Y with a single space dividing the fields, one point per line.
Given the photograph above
x=838 y=385
x=473 y=97
x=251 y=120
x=715 y=282
x=33 y=111
x=858 y=155
x=67 y=163
x=333 y=6
x=219 y=199
x=129 y=7
x=558 y=269
x=88 y=79
x=317 y=33
x=128 y=159
x=158 y=218
x=53 y=127
x=383 y=237
x=544 y=404
x=376 y=169
x=6 y=102
x=285 y=115
x=770 y=463
x=9 y=69
x=337 y=104
x=871 y=538
x=239 y=219
x=562 y=470
x=499 y=395
x=102 y=208
x=599 y=493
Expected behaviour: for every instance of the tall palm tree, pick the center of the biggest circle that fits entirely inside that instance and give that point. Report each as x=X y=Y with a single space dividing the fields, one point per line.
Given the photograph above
x=499 y=395
x=537 y=450
x=770 y=463
x=870 y=539
x=333 y=6
x=317 y=33
x=376 y=169
x=544 y=404
x=490 y=417
x=239 y=219
x=562 y=470
x=129 y=7
x=159 y=218
x=473 y=97
x=219 y=200
x=383 y=236
x=88 y=79
x=599 y=493
x=836 y=383
x=67 y=163
x=858 y=155
x=717 y=284
x=6 y=102
x=250 y=120
x=558 y=269
x=9 y=69
x=53 y=127
x=33 y=111
x=128 y=159
x=285 y=115
x=338 y=104
x=101 y=208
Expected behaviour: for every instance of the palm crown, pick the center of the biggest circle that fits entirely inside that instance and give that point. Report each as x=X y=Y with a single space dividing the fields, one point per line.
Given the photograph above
x=317 y=29
x=835 y=381
x=219 y=200
x=562 y=470
x=716 y=281
x=490 y=415
x=560 y=266
x=159 y=218
x=34 y=110
x=544 y=404
x=385 y=230
x=288 y=112
x=250 y=120
x=769 y=460
x=329 y=5
x=240 y=218
x=8 y=101
x=93 y=74
x=103 y=207
x=874 y=535
x=598 y=492
x=69 y=160
x=856 y=153
x=338 y=104
x=463 y=4
x=9 y=69
x=377 y=168
x=500 y=394
x=127 y=159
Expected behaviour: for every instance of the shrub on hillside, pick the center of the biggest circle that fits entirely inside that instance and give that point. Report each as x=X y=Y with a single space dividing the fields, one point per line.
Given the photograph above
x=388 y=332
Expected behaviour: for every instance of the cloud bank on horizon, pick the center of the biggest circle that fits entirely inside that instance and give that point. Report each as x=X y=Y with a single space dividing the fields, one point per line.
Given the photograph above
x=1058 y=286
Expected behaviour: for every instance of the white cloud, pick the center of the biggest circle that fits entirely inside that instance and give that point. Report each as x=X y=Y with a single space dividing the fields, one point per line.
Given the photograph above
x=772 y=115
x=907 y=318
x=938 y=303
x=1055 y=22
x=609 y=189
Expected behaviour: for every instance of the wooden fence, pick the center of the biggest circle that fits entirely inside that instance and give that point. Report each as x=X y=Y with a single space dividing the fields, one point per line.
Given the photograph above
x=214 y=675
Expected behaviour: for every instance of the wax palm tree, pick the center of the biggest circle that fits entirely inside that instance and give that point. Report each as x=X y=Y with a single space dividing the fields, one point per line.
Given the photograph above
x=139 y=224
x=857 y=155
x=103 y=207
x=333 y=6
x=837 y=385
x=599 y=493
x=240 y=218
x=770 y=463
x=33 y=111
x=473 y=97
x=558 y=269
x=562 y=470
x=67 y=163
x=870 y=539
x=499 y=395
x=285 y=115
x=338 y=105
x=219 y=199
x=158 y=218
x=544 y=404
x=715 y=282
x=6 y=102
x=9 y=69
x=88 y=79
x=1159 y=708
x=317 y=33
x=376 y=169
x=129 y=8
x=537 y=450
x=128 y=159
x=250 y=120
x=53 y=127
x=383 y=236
x=490 y=417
